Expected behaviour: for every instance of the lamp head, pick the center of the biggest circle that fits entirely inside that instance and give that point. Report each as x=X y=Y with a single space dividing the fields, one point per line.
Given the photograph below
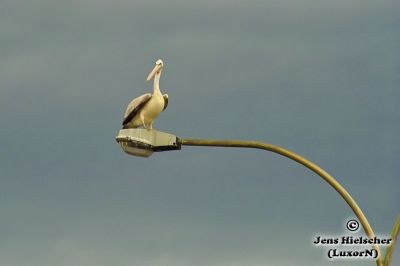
x=143 y=142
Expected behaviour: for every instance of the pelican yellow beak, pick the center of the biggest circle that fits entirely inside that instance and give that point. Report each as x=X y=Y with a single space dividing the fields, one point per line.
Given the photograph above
x=155 y=70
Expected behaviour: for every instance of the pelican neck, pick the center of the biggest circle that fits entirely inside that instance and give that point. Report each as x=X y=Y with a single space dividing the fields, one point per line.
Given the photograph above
x=157 y=83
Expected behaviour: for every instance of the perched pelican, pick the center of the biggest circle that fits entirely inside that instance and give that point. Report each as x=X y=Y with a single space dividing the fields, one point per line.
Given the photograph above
x=143 y=110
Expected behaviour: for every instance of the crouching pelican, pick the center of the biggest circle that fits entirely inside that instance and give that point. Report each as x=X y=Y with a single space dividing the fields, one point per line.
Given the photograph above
x=143 y=110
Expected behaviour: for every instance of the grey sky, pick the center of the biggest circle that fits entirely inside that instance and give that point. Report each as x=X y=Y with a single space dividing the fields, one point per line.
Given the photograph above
x=318 y=77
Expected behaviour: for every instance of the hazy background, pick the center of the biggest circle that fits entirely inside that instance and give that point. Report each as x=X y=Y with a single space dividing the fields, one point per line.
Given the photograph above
x=318 y=77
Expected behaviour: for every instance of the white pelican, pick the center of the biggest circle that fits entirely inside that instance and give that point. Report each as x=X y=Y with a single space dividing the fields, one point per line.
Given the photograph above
x=143 y=110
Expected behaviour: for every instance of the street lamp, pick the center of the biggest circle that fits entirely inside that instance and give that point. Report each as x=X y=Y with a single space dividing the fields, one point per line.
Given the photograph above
x=143 y=142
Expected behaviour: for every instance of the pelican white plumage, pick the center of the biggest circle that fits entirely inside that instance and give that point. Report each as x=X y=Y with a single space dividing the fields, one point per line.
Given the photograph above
x=143 y=110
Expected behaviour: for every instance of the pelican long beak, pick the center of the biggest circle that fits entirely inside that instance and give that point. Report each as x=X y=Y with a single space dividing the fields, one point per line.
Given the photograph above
x=155 y=70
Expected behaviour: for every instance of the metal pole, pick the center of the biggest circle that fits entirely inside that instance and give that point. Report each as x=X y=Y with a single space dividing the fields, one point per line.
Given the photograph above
x=301 y=160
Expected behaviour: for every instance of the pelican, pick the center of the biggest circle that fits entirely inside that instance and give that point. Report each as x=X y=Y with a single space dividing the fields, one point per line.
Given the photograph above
x=143 y=110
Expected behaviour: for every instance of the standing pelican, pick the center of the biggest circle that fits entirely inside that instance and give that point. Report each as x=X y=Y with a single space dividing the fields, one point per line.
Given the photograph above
x=143 y=110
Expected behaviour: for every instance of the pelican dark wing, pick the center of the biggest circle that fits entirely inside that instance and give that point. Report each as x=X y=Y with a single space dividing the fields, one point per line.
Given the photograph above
x=134 y=107
x=165 y=96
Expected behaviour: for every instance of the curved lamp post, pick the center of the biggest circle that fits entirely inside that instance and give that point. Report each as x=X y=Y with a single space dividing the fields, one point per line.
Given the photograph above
x=143 y=142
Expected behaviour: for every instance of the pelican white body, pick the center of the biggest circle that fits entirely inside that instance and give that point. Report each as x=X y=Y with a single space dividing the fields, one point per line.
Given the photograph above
x=150 y=111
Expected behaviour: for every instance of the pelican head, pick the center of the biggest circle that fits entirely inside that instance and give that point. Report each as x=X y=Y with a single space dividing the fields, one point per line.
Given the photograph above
x=156 y=70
